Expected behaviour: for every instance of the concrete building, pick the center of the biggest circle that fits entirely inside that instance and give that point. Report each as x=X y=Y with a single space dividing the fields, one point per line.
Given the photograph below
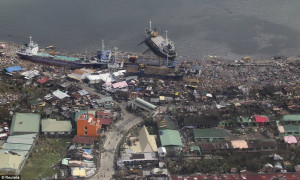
x=88 y=125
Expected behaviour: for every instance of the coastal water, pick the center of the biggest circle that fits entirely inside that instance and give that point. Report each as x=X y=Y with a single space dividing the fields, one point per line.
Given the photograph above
x=226 y=28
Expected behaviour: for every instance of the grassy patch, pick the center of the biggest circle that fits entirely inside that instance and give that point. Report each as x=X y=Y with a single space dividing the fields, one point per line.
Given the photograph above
x=46 y=153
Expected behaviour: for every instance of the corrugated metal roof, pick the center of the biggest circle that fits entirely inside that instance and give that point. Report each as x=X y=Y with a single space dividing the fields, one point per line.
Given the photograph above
x=209 y=133
x=20 y=139
x=25 y=122
x=170 y=138
x=9 y=161
x=52 y=125
x=59 y=94
x=291 y=117
x=12 y=146
x=145 y=103
x=291 y=128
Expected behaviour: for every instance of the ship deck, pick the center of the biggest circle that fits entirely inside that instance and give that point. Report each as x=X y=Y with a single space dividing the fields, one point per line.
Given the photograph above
x=158 y=40
x=64 y=58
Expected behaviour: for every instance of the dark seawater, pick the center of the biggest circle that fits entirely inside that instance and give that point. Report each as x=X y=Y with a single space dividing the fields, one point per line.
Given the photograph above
x=227 y=28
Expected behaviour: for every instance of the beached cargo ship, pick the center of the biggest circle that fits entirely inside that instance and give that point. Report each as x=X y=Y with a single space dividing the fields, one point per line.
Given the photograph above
x=161 y=46
x=31 y=52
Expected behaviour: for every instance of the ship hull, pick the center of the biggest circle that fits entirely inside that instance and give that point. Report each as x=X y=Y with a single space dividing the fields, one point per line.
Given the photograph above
x=55 y=62
x=158 y=51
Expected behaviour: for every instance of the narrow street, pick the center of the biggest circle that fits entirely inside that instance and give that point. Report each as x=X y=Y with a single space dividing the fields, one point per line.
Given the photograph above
x=113 y=138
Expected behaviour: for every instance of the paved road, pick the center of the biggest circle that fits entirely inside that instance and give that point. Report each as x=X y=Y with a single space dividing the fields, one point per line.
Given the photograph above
x=113 y=138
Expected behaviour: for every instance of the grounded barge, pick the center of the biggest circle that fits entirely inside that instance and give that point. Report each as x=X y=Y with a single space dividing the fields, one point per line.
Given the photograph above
x=159 y=45
x=31 y=52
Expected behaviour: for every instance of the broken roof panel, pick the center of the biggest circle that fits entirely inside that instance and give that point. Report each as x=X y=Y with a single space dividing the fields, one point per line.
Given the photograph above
x=83 y=92
x=60 y=95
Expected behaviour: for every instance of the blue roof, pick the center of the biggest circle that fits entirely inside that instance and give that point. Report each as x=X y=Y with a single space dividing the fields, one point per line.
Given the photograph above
x=13 y=68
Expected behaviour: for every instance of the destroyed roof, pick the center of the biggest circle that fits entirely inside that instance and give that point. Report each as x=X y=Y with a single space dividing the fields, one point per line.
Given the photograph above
x=83 y=92
x=52 y=125
x=291 y=117
x=213 y=146
x=196 y=67
x=200 y=121
x=209 y=133
x=43 y=80
x=166 y=123
x=60 y=95
x=261 y=143
x=83 y=140
x=25 y=123
x=170 y=138
x=105 y=121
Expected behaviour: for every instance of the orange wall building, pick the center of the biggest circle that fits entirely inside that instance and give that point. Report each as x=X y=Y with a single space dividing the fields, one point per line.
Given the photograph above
x=88 y=125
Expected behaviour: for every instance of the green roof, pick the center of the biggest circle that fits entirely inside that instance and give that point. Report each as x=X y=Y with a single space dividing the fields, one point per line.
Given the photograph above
x=25 y=123
x=291 y=128
x=170 y=138
x=243 y=119
x=209 y=133
x=291 y=117
x=12 y=146
x=52 y=125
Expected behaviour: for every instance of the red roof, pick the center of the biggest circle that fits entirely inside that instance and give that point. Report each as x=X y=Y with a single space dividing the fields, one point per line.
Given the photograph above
x=286 y=176
x=261 y=118
x=103 y=113
x=83 y=140
x=105 y=121
x=43 y=80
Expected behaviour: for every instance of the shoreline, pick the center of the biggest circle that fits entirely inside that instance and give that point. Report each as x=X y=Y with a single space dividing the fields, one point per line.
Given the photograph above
x=228 y=57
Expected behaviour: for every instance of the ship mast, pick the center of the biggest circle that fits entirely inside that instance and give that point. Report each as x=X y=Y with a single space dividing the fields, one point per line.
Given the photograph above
x=150 y=26
x=103 y=46
x=30 y=39
x=115 y=48
x=167 y=35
